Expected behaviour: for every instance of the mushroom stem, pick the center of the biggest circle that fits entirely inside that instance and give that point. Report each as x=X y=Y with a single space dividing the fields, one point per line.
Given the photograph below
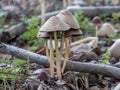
x=43 y=10
x=67 y=47
x=62 y=43
x=51 y=57
x=58 y=57
x=47 y=51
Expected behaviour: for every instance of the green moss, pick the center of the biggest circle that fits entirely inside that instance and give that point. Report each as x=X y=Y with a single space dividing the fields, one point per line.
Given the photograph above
x=84 y=23
x=32 y=29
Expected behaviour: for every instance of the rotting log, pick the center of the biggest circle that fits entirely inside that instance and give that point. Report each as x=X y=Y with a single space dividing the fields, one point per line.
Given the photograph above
x=117 y=64
x=71 y=65
x=13 y=32
x=89 y=11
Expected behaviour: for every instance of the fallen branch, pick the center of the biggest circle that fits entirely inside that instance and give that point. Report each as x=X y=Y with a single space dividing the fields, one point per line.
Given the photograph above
x=71 y=65
x=89 y=11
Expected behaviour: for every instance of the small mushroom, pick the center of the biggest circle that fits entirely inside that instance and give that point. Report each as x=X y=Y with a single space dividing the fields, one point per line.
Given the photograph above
x=57 y=27
x=74 y=31
x=96 y=21
x=106 y=30
x=103 y=29
x=114 y=49
x=43 y=76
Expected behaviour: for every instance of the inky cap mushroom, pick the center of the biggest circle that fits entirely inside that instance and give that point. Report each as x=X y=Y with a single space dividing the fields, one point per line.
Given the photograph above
x=73 y=32
x=106 y=29
x=68 y=18
x=46 y=35
x=54 y=24
x=96 y=21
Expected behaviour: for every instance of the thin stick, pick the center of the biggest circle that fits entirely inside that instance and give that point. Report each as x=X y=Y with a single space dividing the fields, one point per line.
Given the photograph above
x=69 y=2
x=24 y=4
x=64 y=4
x=84 y=41
x=47 y=51
x=58 y=64
x=9 y=2
x=51 y=57
x=43 y=10
x=67 y=47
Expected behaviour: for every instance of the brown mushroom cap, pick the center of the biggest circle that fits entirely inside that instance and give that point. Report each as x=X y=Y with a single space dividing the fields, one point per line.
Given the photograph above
x=106 y=29
x=96 y=20
x=54 y=24
x=43 y=76
x=46 y=35
x=73 y=32
x=68 y=18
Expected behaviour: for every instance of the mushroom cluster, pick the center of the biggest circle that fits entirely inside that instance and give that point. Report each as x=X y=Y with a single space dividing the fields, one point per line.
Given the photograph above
x=57 y=32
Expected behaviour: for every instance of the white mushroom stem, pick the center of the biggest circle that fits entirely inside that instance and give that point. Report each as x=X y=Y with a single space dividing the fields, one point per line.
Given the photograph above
x=47 y=51
x=53 y=43
x=43 y=10
x=51 y=57
x=58 y=57
x=62 y=44
x=95 y=44
x=67 y=48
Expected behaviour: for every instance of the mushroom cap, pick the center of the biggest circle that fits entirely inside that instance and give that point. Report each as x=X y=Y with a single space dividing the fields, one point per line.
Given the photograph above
x=47 y=35
x=67 y=17
x=106 y=29
x=54 y=24
x=114 y=49
x=96 y=20
x=73 y=32
x=44 y=34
